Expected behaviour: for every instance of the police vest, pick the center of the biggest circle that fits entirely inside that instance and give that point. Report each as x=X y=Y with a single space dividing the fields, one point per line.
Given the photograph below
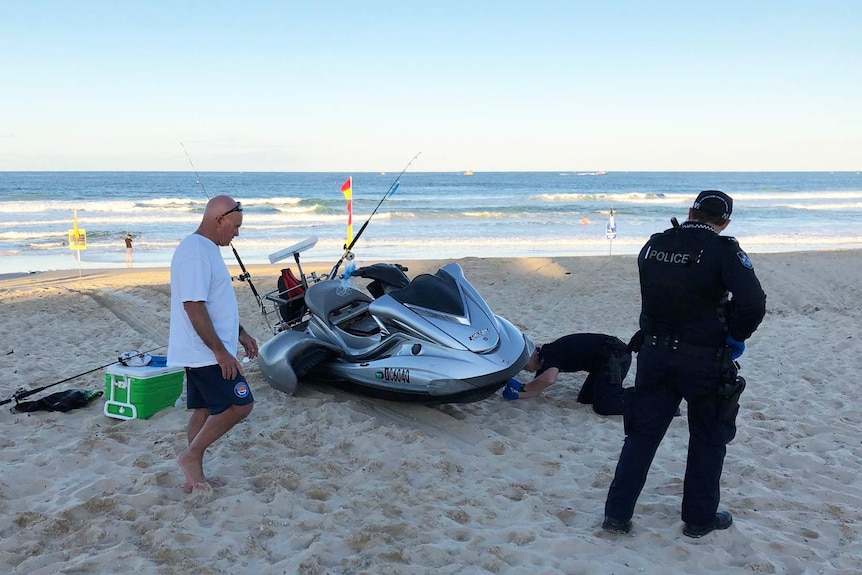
x=680 y=275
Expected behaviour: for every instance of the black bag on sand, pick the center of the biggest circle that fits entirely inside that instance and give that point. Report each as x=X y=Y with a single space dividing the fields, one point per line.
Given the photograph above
x=59 y=401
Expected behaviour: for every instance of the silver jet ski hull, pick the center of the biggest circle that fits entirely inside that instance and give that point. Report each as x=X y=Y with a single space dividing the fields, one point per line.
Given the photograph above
x=439 y=344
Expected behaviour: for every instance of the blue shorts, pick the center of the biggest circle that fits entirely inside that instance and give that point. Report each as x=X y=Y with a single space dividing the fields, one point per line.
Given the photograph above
x=208 y=389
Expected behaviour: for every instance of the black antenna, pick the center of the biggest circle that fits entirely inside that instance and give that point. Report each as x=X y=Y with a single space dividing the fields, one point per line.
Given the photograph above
x=389 y=192
x=244 y=276
x=197 y=176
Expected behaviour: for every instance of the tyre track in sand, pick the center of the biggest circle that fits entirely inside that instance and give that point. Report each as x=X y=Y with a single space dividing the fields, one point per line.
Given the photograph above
x=141 y=314
x=431 y=421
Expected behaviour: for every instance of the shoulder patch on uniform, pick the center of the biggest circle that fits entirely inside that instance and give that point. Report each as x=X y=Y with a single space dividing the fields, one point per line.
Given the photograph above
x=745 y=260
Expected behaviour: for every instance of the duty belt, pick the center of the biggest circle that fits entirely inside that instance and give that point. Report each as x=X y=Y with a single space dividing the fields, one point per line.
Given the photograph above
x=672 y=343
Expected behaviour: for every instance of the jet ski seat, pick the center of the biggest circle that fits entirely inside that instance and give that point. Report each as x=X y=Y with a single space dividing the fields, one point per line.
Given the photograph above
x=438 y=292
x=343 y=306
x=354 y=318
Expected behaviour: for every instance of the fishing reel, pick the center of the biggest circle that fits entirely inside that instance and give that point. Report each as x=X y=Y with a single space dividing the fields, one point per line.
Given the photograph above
x=19 y=394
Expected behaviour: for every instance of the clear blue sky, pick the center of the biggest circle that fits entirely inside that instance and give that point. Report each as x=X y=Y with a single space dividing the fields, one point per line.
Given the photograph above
x=320 y=85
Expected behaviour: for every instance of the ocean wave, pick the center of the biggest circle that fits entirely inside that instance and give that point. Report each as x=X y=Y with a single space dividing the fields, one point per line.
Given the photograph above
x=685 y=198
x=620 y=197
x=46 y=246
x=432 y=216
x=36 y=234
x=796 y=196
x=844 y=206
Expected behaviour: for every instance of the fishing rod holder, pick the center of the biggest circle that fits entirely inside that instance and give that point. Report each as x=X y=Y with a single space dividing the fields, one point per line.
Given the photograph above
x=287 y=302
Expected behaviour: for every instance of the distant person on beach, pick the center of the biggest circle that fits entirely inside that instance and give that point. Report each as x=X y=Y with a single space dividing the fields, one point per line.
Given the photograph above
x=128 y=240
x=605 y=358
x=205 y=333
x=690 y=335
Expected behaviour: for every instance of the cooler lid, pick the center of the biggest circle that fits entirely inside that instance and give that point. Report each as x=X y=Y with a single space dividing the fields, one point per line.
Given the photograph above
x=141 y=372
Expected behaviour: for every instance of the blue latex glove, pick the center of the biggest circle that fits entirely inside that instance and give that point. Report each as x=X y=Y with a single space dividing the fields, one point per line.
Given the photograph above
x=512 y=389
x=736 y=347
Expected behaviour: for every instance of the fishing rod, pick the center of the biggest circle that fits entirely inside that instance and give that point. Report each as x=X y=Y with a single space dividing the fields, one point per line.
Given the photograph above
x=244 y=276
x=347 y=253
x=22 y=393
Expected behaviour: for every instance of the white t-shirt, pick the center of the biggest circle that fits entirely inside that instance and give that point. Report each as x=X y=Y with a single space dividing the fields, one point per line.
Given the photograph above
x=198 y=273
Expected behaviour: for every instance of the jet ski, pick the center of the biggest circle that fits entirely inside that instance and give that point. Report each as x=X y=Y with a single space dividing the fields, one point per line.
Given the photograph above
x=430 y=340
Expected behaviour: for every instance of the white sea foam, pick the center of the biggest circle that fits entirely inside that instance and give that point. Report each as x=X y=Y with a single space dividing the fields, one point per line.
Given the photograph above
x=431 y=216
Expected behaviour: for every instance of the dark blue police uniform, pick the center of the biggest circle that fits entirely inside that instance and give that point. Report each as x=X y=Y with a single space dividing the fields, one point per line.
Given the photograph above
x=606 y=359
x=686 y=273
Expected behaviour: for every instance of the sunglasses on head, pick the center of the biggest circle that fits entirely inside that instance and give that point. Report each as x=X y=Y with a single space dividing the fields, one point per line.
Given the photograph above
x=236 y=208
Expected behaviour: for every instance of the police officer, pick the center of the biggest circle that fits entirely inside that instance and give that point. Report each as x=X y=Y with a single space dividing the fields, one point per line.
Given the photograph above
x=605 y=358
x=691 y=331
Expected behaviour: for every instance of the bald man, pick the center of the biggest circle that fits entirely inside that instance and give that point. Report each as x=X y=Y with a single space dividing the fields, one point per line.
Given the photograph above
x=205 y=333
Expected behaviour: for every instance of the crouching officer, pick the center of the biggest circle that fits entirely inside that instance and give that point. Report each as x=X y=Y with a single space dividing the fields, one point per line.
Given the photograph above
x=691 y=333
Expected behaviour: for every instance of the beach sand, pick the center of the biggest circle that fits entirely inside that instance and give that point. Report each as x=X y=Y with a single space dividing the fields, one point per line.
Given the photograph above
x=329 y=483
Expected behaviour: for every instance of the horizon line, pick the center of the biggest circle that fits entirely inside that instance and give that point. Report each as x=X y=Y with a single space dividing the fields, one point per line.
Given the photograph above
x=472 y=172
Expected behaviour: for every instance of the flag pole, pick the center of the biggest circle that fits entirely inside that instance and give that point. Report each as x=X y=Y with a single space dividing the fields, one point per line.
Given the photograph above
x=347 y=254
x=347 y=190
x=76 y=237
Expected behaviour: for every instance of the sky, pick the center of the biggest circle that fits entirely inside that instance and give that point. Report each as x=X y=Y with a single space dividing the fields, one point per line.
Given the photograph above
x=364 y=85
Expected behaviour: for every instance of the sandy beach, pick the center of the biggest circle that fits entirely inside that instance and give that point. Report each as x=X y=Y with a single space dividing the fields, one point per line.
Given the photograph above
x=326 y=482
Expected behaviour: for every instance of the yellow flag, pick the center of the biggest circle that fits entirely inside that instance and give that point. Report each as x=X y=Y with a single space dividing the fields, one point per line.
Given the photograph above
x=347 y=190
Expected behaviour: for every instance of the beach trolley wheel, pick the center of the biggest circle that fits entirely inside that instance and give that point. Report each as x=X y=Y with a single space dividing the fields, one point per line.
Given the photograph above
x=303 y=364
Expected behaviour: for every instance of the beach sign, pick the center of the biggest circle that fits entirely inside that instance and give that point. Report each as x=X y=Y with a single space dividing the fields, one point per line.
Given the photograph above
x=77 y=236
x=611 y=231
x=611 y=228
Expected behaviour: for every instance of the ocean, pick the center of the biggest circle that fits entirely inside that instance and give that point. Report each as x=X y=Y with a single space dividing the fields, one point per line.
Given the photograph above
x=429 y=216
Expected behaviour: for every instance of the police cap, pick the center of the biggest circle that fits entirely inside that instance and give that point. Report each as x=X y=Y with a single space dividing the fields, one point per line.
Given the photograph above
x=715 y=203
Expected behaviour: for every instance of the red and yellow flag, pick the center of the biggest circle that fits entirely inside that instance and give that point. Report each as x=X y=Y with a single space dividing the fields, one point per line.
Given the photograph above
x=347 y=190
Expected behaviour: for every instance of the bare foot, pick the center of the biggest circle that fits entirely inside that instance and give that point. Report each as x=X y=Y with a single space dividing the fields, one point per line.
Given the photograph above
x=216 y=482
x=202 y=493
x=193 y=470
x=197 y=487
